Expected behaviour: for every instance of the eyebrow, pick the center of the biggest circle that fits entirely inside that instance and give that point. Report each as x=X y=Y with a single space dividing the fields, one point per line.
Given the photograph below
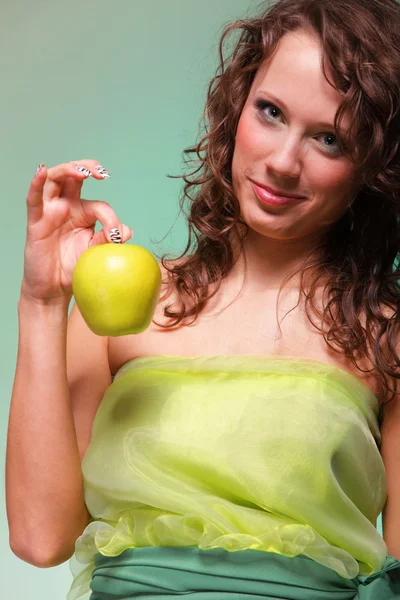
x=269 y=96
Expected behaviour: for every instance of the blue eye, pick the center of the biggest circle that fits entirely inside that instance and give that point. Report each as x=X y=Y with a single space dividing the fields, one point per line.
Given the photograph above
x=261 y=105
x=269 y=112
x=333 y=148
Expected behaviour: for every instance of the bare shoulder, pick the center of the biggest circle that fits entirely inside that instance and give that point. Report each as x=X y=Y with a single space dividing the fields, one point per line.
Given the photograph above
x=391 y=410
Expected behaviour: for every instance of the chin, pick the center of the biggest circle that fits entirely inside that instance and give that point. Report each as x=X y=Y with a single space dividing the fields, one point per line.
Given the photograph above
x=278 y=227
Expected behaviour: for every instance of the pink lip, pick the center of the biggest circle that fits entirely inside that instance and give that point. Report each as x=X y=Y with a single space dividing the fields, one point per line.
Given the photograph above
x=272 y=198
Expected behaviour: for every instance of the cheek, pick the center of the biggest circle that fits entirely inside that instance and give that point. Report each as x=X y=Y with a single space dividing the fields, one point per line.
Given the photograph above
x=249 y=148
x=332 y=177
x=249 y=137
x=242 y=142
x=333 y=188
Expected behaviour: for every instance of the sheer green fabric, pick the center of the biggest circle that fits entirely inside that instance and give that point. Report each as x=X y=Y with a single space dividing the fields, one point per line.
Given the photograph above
x=235 y=452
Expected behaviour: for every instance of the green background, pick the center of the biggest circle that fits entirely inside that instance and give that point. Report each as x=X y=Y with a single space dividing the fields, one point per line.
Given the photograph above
x=123 y=83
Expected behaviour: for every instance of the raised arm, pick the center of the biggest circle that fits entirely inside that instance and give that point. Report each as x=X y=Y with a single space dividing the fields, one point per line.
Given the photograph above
x=61 y=373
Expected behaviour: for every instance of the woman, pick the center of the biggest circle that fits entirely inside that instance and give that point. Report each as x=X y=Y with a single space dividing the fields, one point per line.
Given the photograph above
x=245 y=444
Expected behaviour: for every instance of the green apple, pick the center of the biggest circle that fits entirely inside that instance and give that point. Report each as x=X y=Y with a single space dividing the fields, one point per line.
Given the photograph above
x=117 y=288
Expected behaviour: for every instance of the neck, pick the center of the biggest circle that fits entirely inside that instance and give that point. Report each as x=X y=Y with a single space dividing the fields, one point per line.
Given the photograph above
x=265 y=263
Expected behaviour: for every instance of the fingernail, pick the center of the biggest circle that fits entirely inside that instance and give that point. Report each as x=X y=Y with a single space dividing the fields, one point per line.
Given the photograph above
x=102 y=171
x=39 y=167
x=115 y=236
x=83 y=170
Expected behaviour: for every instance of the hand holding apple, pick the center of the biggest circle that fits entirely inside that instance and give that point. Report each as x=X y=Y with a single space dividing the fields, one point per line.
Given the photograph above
x=117 y=287
x=60 y=227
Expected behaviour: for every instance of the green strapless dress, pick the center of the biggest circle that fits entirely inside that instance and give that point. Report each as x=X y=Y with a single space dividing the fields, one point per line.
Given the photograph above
x=229 y=458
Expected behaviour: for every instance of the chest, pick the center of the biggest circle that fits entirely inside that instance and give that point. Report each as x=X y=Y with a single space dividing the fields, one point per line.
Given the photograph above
x=250 y=324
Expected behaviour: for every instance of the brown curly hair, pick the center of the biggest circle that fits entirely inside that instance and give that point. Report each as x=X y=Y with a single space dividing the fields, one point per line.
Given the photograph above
x=361 y=47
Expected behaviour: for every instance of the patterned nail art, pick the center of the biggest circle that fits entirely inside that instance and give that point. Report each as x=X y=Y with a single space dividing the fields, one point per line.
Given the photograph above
x=39 y=167
x=115 y=236
x=102 y=171
x=83 y=170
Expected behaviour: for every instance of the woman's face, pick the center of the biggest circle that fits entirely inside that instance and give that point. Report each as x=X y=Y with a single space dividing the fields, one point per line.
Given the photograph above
x=286 y=141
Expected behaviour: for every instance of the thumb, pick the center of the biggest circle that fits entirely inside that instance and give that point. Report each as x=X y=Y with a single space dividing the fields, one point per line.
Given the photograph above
x=101 y=238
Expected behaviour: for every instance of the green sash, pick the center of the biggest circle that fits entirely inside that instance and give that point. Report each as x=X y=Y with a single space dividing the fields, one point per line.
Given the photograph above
x=217 y=574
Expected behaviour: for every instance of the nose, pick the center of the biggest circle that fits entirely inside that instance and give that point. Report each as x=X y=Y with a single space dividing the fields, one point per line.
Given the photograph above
x=284 y=158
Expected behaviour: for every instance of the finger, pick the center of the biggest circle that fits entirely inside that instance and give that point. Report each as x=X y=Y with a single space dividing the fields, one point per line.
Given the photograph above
x=56 y=177
x=34 y=199
x=67 y=179
x=98 y=210
x=101 y=238
x=97 y=171
x=73 y=187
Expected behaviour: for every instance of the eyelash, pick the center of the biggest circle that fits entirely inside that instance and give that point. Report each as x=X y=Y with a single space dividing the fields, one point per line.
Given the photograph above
x=261 y=105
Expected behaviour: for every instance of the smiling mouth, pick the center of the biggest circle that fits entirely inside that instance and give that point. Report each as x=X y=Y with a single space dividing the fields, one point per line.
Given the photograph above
x=268 y=198
x=275 y=192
